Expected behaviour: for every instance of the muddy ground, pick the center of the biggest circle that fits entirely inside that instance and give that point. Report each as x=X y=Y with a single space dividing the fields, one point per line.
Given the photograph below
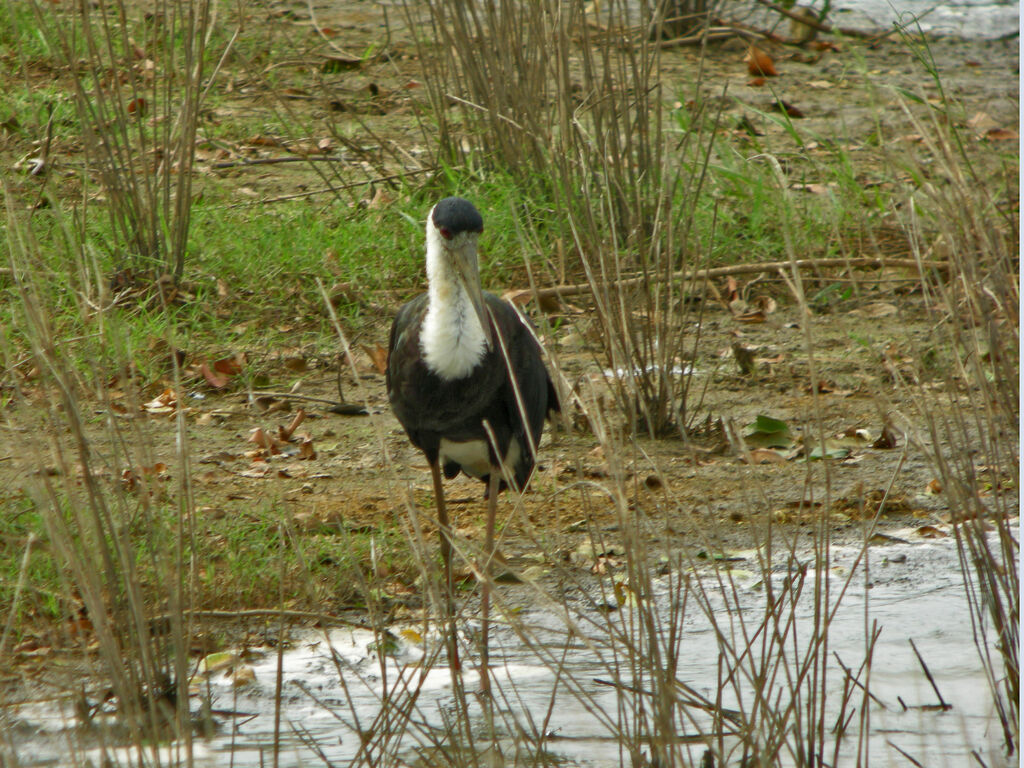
x=697 y=494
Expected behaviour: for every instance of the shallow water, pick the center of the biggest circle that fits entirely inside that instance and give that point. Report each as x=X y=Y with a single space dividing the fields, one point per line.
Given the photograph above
x=331 y=684
x=963 y=18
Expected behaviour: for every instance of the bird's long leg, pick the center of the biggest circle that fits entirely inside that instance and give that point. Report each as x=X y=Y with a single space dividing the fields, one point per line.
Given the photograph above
x=446 y=558
x=485 y=589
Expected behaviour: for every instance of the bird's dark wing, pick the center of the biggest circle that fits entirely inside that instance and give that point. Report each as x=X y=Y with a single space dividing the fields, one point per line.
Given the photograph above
x=536 y=393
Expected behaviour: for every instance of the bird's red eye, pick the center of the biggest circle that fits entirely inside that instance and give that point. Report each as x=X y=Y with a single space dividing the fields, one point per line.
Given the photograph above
x=445 y=233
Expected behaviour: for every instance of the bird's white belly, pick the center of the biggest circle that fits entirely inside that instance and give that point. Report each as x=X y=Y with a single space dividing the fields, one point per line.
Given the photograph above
x=472 y=456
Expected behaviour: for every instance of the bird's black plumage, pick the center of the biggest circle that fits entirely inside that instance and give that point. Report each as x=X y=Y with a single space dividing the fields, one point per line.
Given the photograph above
x=431 y=408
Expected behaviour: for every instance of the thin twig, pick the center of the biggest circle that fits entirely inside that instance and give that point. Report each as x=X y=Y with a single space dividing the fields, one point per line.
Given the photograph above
x=807 y=21
x=904 y=753
x=313 y=192
x=561 y=291
x=295 y=396
x=263 y=613
x=928 y=674
x=277 y=160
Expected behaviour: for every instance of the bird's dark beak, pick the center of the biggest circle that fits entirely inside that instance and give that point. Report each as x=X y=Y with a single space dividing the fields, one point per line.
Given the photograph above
x=466 y=265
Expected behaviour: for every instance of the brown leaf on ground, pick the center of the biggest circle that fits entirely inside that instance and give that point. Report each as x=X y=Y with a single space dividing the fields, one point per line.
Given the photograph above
x=1001 y=134
x=296 y=364
x=763 y=456
x=875 y=310
x=217 y=381
x=887 y=440
x=286 y=433
x=814 y=189
x=732 y=289
x=788 y=109
x=138 y=107
x=259 y=437
x=260 y=140
x=930 y=532
x=381 y=199
x=378 y=357
x=129 y=481
x=165 y=402
x=752 y=317
x=981 y=122
x=759 y=63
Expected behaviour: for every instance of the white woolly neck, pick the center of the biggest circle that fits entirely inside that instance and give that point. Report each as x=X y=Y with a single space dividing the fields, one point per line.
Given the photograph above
x=452 y=340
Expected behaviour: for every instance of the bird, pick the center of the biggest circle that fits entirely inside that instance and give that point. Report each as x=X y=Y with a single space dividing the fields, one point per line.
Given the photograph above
x=467 y=382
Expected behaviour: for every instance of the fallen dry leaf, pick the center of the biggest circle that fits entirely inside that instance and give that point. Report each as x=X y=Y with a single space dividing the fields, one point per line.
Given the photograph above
x=764 y=456
x=378 y=357
x=296 y=364
x=732 y=290
x=751 y=317
x=981 y=122
x=285 y=433
x=381 y=199
x=129 y=481
x=138 y=107
x=759 y=63
x=165 y=402
x=875 y=310
x=260 y=140
x=814 y=189
x=259 y=437
x=887 y=440
x=214 y=380
x=788 y=109
x=1001 y=134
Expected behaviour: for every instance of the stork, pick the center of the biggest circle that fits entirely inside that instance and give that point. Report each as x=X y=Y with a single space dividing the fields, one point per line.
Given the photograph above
x=466 y=381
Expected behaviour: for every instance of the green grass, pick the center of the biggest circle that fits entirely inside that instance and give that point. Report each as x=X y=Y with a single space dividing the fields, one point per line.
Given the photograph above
x=246 y=558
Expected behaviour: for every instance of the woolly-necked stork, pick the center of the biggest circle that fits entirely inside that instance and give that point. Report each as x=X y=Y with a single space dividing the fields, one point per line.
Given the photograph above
x=466 y=380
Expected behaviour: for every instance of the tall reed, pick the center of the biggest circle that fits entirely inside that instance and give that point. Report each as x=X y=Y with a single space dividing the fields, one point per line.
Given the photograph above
x=138 y=79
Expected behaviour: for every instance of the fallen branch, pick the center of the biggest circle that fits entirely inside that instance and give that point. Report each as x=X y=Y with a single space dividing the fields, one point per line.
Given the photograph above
x=804 y=18
x=561 y=291
x=261 y=613
x=335 y=189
